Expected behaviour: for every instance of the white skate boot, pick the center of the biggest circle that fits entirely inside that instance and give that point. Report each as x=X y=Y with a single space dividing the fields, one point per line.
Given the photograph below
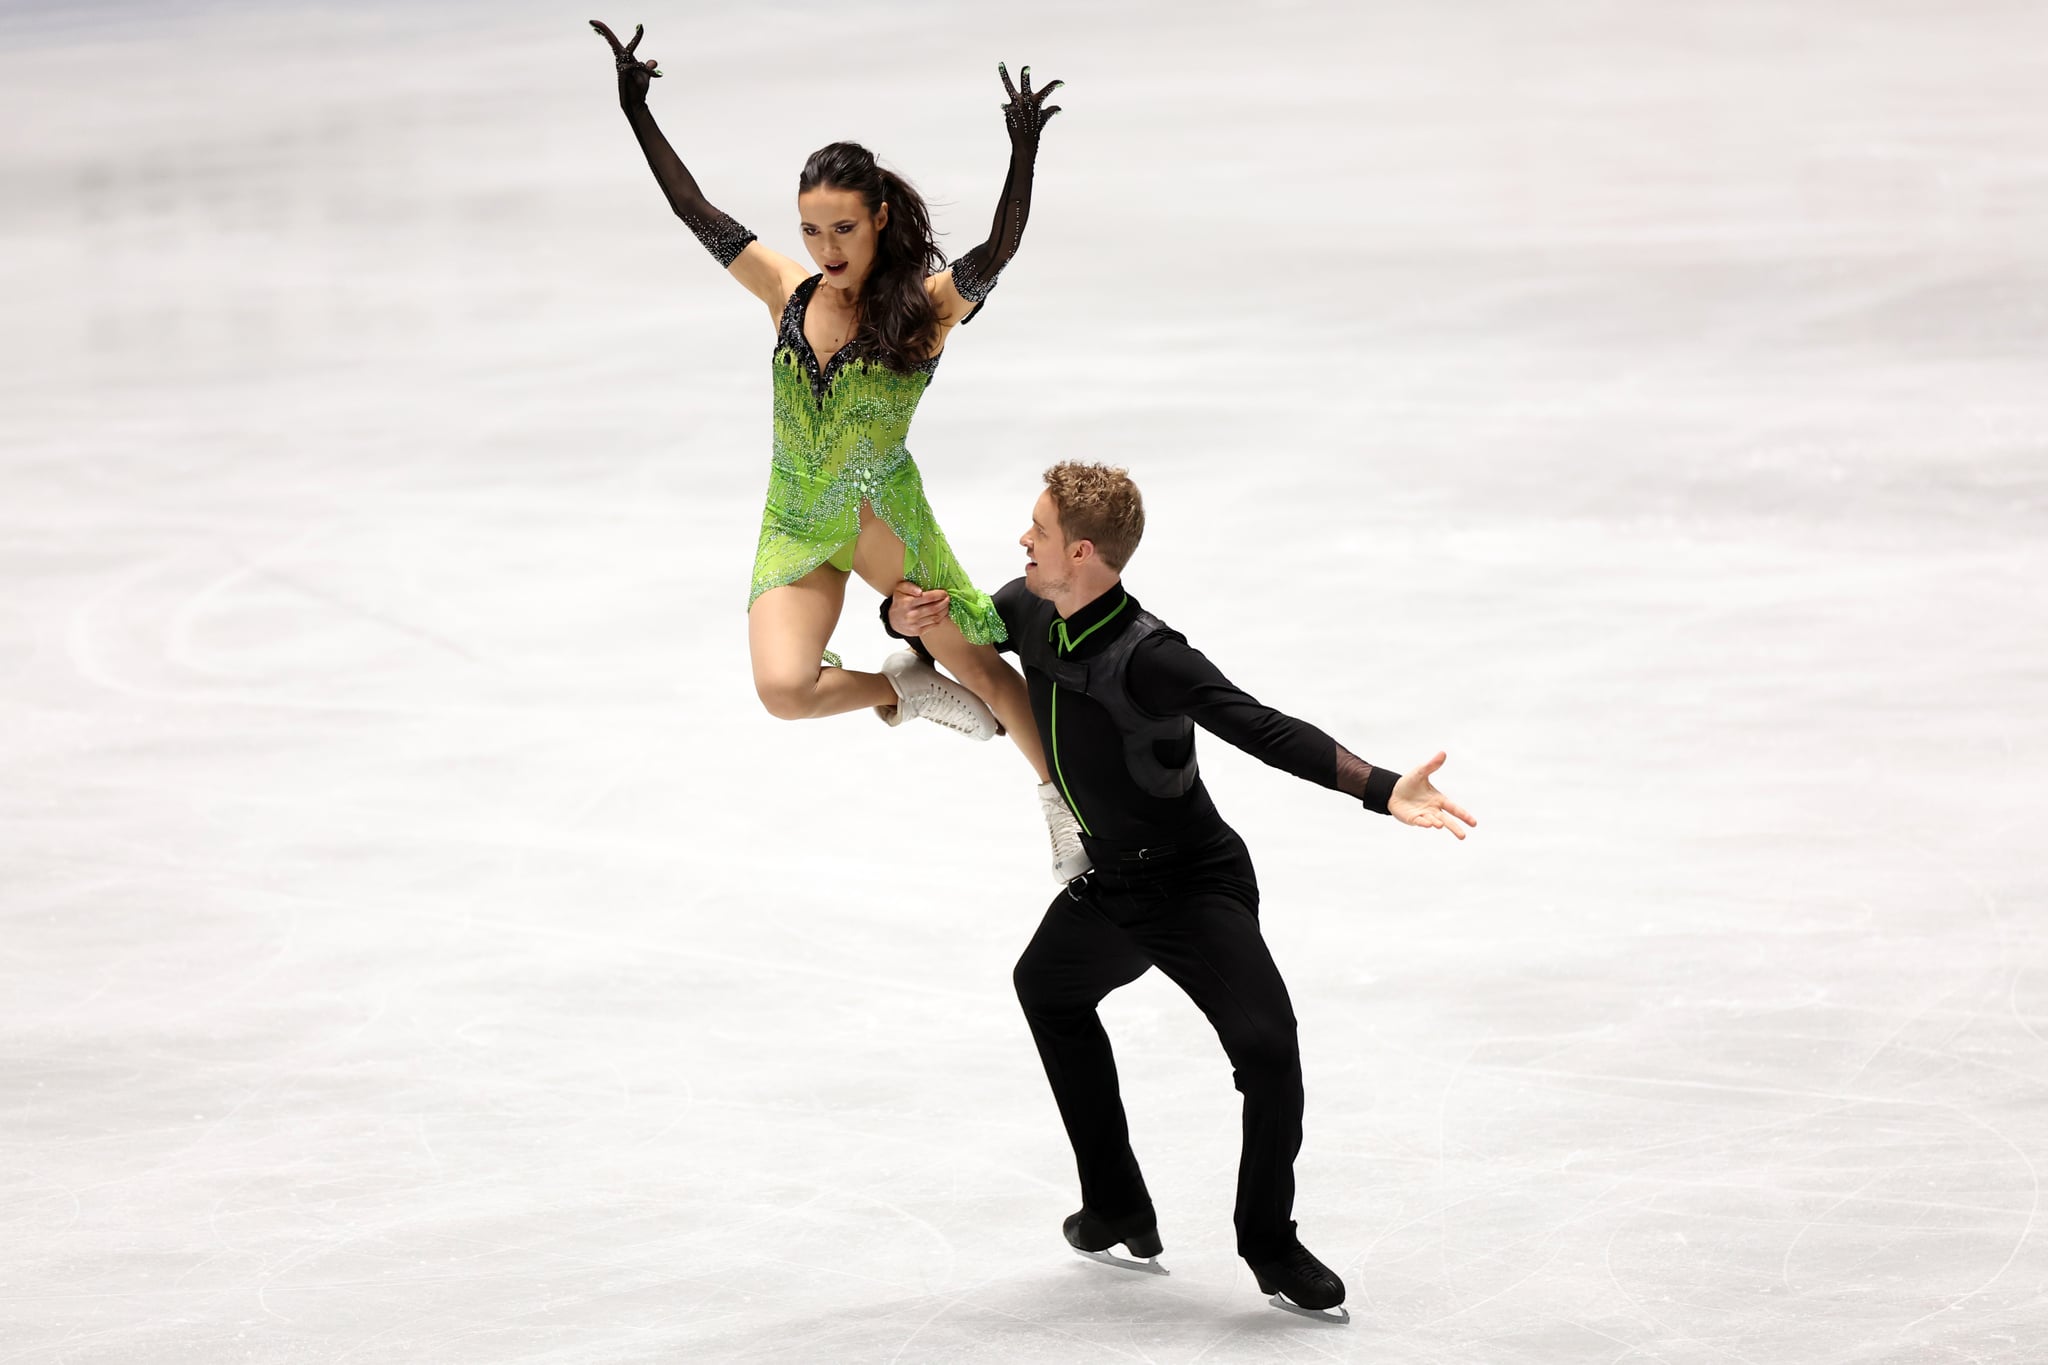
x=1069 y=859
x=921 y=691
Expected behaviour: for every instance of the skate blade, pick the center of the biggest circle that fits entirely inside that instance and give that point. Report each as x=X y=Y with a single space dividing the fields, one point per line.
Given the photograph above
x=1336 y=1317
x=1150 y=1266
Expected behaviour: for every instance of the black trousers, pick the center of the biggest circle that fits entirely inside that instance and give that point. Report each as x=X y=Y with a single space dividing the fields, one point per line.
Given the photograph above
x=1192 y=912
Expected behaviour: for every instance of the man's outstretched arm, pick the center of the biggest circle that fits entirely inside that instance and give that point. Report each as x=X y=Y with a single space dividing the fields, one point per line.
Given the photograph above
x=1171 y=677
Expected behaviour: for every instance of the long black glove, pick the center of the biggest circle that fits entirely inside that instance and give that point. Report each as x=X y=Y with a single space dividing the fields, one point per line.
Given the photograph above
x=721 y=236
x=974 y=273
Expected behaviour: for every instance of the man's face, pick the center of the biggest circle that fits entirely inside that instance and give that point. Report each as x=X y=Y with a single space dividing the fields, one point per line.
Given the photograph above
x=1048 y=569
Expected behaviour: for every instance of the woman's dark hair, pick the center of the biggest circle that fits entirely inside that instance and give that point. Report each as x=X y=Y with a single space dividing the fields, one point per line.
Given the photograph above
x=898 y=321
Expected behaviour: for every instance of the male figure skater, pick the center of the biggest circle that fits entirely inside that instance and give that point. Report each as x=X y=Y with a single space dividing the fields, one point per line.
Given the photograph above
x=1117 y=695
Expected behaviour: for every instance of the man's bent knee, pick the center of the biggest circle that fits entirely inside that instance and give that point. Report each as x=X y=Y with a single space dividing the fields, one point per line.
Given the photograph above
x=1268 y=1056
x=1024 y=981
x=1035 y=987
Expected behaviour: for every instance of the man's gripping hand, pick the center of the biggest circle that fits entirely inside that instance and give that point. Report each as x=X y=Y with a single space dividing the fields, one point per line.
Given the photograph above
x=913 y=611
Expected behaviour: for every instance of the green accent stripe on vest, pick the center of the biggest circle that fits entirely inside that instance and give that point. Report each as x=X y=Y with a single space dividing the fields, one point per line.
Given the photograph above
x=1068 y=646
x=1056 y=764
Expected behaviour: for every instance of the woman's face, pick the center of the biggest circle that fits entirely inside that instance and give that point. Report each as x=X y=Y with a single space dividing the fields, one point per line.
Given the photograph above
x=840 y=234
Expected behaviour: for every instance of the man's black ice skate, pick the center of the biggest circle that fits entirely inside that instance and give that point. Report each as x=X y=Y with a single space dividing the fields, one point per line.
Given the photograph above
x=1092 y=1236
x=1301 y=1284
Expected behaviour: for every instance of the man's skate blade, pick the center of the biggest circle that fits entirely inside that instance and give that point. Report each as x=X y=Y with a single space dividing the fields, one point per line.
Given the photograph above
x=1335 y=1317
x=1150 y=1266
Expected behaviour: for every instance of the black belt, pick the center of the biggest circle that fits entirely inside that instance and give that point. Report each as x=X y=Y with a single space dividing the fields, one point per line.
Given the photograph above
x=1152 y=853
x=1104 y=854
x=1191 y=841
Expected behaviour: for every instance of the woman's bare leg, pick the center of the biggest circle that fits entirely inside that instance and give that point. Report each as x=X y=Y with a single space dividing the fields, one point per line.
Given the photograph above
x=989 y=676
x=787 y=628
x=878 y=558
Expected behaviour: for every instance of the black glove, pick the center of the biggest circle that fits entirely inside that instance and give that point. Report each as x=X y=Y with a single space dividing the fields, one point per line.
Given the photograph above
x=721 y=236
x=634 y=74
x=974 y=274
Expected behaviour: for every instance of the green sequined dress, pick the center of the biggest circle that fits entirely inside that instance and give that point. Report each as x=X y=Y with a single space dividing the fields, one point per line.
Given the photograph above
x=839 y=441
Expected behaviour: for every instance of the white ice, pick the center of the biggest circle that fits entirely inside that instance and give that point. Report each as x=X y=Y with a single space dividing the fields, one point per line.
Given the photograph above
x=418 y=945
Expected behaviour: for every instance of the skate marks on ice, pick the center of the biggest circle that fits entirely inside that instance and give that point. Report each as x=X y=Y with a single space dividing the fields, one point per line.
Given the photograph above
x=1786 y=1207
x=1038 y=1314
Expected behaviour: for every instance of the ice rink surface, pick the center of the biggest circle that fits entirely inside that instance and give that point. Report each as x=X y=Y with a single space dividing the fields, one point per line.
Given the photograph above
x=418 y=945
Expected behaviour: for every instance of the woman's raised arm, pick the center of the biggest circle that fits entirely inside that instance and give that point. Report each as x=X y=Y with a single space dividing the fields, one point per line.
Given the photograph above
x=766 y=274
x=973 y=275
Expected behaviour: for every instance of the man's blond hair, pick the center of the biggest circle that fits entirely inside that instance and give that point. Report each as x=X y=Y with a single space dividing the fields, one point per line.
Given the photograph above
x=1098 y=503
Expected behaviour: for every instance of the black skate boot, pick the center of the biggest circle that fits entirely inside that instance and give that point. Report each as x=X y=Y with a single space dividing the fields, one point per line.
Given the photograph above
x=1301 y=1284
x=1092 y=1236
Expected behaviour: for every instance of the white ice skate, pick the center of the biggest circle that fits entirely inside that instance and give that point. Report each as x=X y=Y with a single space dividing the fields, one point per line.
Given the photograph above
x=1069 y=859
x=923 y=692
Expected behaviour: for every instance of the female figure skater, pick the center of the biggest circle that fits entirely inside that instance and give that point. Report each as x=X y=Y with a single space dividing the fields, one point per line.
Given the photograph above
x=843 y=493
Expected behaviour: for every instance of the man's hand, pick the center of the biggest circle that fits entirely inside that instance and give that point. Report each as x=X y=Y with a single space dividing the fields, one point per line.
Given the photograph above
x=913 y=611
x=1415 y=802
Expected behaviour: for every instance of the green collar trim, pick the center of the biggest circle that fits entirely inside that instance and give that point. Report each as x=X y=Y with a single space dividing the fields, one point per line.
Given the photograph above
x=1068 y=646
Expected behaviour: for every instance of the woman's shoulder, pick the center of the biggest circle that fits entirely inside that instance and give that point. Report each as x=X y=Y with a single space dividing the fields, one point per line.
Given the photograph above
x=789 y=316
x=797 y=287
x=768 y=275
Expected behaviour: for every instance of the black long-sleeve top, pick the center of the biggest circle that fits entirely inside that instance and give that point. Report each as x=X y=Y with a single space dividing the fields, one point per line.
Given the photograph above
x=1167 y=676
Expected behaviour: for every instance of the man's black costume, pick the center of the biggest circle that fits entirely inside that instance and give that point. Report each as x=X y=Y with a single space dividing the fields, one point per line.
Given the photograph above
x=1117 y=694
